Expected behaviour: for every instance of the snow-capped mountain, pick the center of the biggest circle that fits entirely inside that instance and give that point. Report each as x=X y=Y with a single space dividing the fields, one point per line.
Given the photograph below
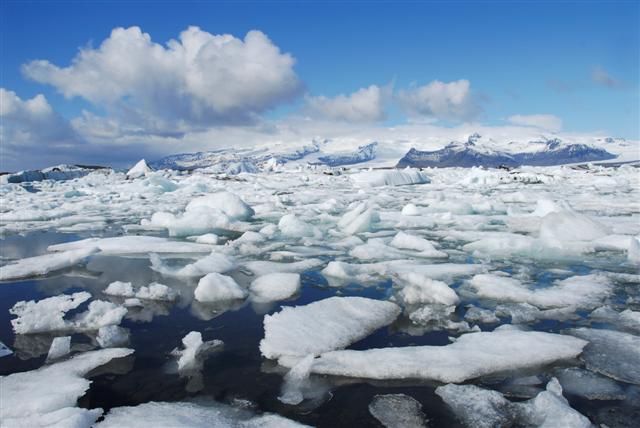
x=539 y=153
x=363 y=154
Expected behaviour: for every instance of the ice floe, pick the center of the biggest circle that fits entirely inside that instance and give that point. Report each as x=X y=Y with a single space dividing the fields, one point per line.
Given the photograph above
x=472 y=355
x=49 y=314
x=214 y=287
x=153 y=291
x=477 y=407
x=41 y=265
x=397 y=410
x=209 y=414
x=323 y=325
x=275 y=286
x=123 y=245
x=28 y=398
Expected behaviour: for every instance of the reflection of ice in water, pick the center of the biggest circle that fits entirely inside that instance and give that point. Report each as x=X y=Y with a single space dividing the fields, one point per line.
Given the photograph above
x=190 y=360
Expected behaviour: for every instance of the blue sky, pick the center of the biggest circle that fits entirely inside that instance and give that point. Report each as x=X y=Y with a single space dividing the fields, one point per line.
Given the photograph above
x=575 y=61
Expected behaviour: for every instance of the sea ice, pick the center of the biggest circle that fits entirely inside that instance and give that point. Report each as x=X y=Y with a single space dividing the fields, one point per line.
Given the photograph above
x=419 y=289
x=425 y=248
x=226 y=202
x=361 y=218
x=324 y=325
x=48 y=314
x=112 y=336
x=214 y=262
x=394 y=177
x=612 y=353
x=214 y=287
x=263 y=267
x=397 y=410
x=60 y=346
x=41 y=265
x=191 y=415
x=472 y=355
x=589 y=385
x=195 y=351
x=275 y=286
x=28 y=398
x=153 y=291
x=482 y=408
x=139 y=170
x=584 y=291
x=123 y=245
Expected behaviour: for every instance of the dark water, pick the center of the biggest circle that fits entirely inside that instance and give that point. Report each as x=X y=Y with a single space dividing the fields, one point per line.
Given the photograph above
x=239 y=372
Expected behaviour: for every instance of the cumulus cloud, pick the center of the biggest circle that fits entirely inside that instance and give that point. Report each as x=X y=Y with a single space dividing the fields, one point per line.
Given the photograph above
x=364 y=105
x=440 y=100
x=548 y=122
x=200 y=79
x=31 y=127
x=600 y=76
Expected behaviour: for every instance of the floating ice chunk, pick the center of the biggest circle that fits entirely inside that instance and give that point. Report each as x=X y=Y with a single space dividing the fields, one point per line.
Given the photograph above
x=41 y=265
x=438 y=317
x=294 y=381
x=263 y=267
x=207 y=238
x=275 y=286
x=98 y=314
x=112 y=336
x=119 y=288
x=195 y=351
x=190 y=415
x=471 y=356
x=577 y=291
x=483 y=408
x=420 y=289
x=360 y=219
x=153 y=291
x=60 y=346
x=122 y=245
x=193 y=222
x=4 y=350
x=395 y=177
x=292 y=226
x=589 y=385
x=375 y=248
x=214 y=262
x=139 y=170
x=404 y=241
x=479 y=315
x=30 y=394
x=440 y=271
x=569 y=225
x=410 y=210
x=397 y=410
x=68 y=417
x=633 y=254
x=507 y=245
x=215 y=287
x=550 y=409
x=228 y=203
x=324 y=325
x=612 y=353
x=46 y=314
x=526 y=313
x=477 y=407
x=626 y=320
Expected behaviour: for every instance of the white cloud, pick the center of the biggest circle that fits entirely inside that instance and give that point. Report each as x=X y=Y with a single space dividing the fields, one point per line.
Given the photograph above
x=31 y=128
x=200 y=79
x=600 y=76
x=542 y=121
x=364 y=105
x=448 y=101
